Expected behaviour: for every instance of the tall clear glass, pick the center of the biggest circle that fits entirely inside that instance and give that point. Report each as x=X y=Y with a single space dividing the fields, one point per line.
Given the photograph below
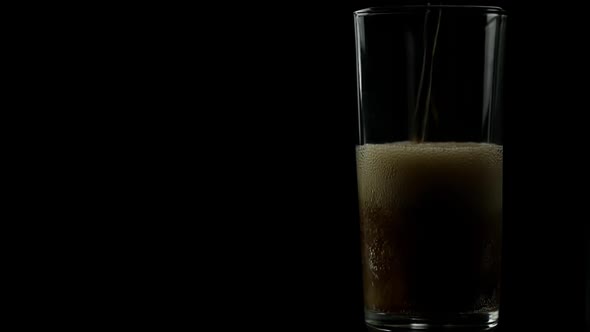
x=429 y=162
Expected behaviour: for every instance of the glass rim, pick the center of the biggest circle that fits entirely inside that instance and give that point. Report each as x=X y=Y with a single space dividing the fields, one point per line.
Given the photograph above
x=396 y=9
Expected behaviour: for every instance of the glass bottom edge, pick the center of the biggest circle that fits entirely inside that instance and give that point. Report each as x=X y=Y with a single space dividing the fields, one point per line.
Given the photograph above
x=377 y=321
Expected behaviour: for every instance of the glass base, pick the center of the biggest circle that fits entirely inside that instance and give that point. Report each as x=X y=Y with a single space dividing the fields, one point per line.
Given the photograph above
x=377 y=321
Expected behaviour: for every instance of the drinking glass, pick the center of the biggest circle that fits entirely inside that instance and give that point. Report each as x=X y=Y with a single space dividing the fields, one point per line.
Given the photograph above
x=429 y=163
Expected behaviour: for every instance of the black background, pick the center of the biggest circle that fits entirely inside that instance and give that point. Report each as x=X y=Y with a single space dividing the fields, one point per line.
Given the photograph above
x=214 y=168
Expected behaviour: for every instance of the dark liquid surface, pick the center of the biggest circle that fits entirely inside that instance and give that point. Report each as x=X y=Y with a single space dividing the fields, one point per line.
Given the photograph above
x=431 y=226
